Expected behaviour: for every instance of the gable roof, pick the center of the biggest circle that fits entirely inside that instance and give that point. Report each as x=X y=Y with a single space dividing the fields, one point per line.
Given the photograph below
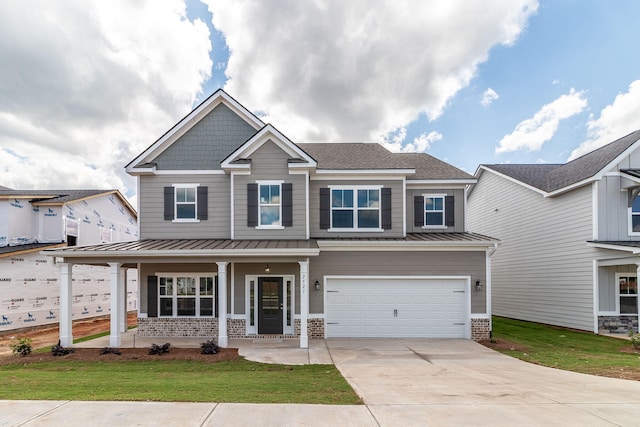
x=60 y=197
x=552 y=178
x=142 y=162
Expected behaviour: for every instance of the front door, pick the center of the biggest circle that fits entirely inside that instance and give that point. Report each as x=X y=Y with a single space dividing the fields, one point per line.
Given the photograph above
x=270 y=305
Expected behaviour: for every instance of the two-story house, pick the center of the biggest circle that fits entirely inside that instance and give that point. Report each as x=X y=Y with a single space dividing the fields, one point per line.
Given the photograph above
x=33 y=220
x=570 y=237
x=246 y=234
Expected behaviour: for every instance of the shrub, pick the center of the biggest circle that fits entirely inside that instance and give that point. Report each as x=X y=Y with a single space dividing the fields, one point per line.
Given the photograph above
x=109 y=350
x=58 y=350
x=209 y=347
x=635 y=339
x=159 y=349
x=21 y=347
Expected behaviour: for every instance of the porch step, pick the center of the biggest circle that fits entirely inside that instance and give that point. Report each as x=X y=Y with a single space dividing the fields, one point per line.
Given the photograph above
x=270 y=337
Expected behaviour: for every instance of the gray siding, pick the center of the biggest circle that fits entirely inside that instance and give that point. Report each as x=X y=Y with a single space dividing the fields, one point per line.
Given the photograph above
x=542 y=270
x=269 y=162
x=458 y=195
x=396 y=209
x=207 y=143
x=607 y=282
x=151 y=208
x=400 y=264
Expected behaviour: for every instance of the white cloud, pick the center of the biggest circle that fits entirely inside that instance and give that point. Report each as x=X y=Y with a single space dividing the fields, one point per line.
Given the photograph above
x=334 y=70
x=85 y=86
x=531 y=133
x=488 y=97
x=420 y=143
x=616 y=120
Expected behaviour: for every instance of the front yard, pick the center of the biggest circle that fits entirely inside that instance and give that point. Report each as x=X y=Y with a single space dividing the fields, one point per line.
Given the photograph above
x=566 y=349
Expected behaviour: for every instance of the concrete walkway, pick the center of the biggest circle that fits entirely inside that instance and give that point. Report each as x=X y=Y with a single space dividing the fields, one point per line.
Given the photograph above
x=403 y=382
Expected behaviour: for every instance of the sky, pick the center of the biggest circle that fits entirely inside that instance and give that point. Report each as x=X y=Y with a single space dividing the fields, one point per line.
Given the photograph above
x=86 y=86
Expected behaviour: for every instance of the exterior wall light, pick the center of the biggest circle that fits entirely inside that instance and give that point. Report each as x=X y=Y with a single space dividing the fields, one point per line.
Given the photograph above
x=478 y=285
x=267 y=269
x=317 y=285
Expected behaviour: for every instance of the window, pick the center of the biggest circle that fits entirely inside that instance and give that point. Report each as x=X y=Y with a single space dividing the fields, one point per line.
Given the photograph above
x=634 y=213
x=628 y=289
x=269 y=205
x=183 y=295
x=355 y=208
x=185 y=203
x=434 y=211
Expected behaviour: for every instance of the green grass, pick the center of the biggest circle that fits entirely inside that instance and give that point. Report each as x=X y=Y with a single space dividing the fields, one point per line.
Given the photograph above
x=226 y=381
x=566 y=349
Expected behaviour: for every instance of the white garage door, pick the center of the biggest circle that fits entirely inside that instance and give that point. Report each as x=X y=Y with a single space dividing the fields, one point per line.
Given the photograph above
x=397 y=307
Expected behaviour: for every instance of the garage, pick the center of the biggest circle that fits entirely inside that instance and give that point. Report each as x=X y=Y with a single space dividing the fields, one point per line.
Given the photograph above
x=397 y=307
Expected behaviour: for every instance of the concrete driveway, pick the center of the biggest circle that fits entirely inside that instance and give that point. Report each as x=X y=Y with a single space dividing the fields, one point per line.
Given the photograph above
x=459 y=382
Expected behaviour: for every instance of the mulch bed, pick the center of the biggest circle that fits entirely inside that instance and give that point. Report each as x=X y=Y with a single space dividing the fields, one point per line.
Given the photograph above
x=128 y=354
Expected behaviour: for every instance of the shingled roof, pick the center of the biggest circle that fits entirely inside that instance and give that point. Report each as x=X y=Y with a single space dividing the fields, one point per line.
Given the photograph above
x=349 y=156
x=553 y=177
x=51 y=196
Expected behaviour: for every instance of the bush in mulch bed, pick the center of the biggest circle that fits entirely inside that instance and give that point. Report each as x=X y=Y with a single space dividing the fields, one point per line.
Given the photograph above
x=209 y=347
x=109 y=350
x=58 y=350
x=159 y=349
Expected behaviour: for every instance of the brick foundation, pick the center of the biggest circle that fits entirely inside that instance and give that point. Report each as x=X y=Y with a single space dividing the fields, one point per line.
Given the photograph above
x=177 y=327
x=315 y=328
x=618 y=324
x=480 y=329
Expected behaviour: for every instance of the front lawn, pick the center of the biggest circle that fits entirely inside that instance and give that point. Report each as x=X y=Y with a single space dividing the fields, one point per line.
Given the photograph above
x=175 y=380
x=566 y=349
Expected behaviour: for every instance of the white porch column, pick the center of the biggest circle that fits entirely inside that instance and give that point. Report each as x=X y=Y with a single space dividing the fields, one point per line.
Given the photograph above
x=122 y=314
x=115 y=340
x=304 y=303
x=223 y=339
x=66 y=303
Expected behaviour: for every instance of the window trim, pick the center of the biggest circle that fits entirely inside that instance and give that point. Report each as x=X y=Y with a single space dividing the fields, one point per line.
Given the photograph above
x=355 y=208
x=618 y=295
x=195 y=203
x=443 y=196
x=278 y=226
x=175 y=296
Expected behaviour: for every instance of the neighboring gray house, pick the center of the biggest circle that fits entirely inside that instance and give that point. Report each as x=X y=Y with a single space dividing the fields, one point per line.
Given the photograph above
x=570 y=237
x=245 y=234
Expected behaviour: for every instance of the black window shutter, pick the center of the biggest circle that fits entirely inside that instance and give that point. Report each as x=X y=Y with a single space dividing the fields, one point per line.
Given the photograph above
x=152 y=296
x=449 y=211
x=325 y=208
x=203 y=202
x=252 y=205
x=385 y=196
x=168 y=203
x=287 y=204
x=418 y=211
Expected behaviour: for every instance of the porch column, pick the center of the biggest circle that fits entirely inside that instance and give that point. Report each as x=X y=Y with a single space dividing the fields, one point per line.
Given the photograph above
x=304 y=303
x=122 y=314
x=66 y=303
x=115 y=340
x=223 y=339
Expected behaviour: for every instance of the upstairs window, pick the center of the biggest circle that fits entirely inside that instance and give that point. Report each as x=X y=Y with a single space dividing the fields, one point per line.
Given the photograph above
x=269 y=205
x=634 y=216
x=434 y=211
x=185 y=207
x=185 y=203
x=355 y=208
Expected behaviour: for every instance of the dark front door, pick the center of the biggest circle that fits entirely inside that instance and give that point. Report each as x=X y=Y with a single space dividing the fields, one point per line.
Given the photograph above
x=270 y=305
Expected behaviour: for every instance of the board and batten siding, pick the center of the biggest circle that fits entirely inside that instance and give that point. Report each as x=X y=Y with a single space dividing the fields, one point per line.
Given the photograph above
x=151 y=202
x=458 y=195
x=396 y=208
x=269 y=163
x=543 y=268
x=391 y=263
